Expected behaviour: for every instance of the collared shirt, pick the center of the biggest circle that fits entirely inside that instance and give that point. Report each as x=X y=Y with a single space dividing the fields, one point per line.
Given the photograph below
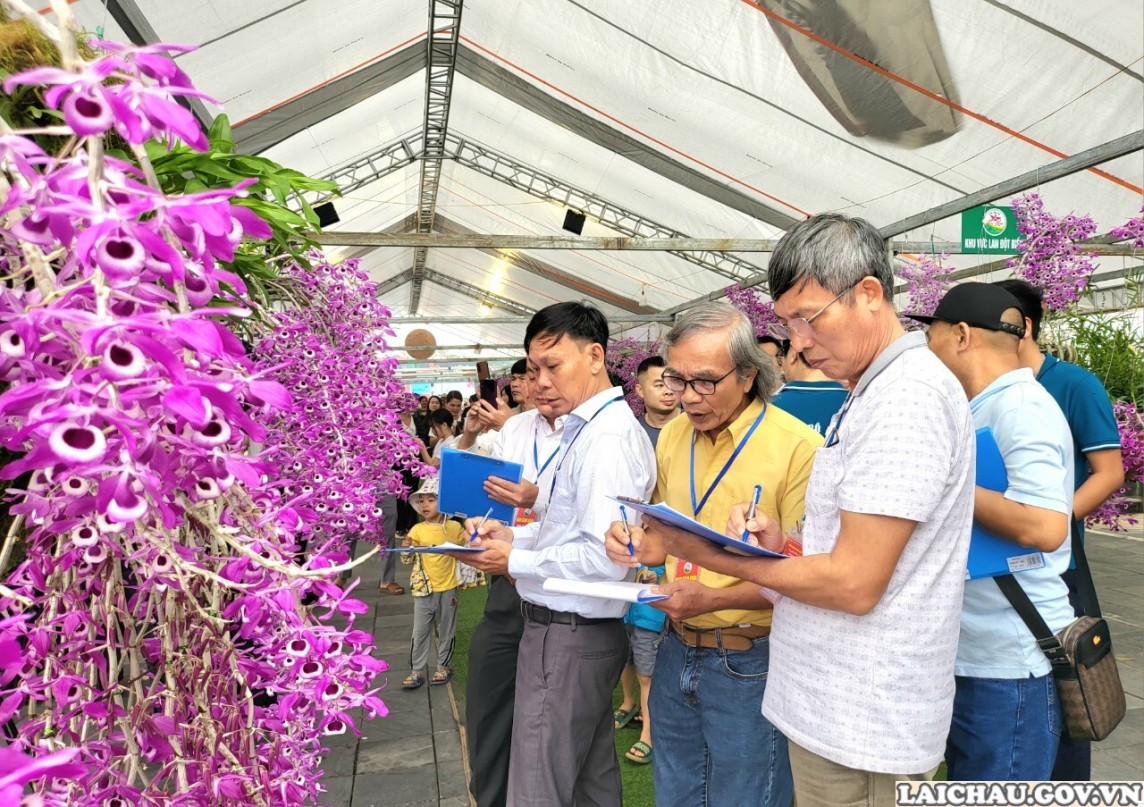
x=875 y=692
x=1036 y=445
x=812 y=402
x=1084 y=400
x=603 y=452
x=778 y=456
x=516 y=441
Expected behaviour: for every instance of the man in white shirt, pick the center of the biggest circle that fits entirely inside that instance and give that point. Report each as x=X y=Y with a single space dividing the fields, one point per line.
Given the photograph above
x=865 y=633
x=532 y=439
x=1006 y=714
x=573 y=647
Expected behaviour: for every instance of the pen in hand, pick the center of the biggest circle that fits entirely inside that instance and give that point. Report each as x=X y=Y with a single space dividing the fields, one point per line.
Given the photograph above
x=627 y=530
x=473 y=537
x=751 y=513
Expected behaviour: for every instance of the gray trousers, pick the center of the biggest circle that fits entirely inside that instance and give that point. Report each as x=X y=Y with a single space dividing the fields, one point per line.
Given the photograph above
x=387 y=538
x=563 y=740
x=443 y=605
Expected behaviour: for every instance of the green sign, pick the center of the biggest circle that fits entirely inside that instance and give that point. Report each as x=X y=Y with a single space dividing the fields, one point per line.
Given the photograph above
x=989 y=228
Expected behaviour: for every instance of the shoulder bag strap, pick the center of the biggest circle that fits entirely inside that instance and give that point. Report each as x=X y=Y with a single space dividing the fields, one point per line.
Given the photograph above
x=1087 y=600
x=1050 y=645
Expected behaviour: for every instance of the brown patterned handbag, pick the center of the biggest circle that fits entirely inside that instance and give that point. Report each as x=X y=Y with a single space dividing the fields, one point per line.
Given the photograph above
x=1084 y=666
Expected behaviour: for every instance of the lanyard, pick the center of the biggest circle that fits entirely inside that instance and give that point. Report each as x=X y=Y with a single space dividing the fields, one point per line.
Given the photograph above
x=697 y=506
x=584 y=428
x=832 y=435
x=540 y=469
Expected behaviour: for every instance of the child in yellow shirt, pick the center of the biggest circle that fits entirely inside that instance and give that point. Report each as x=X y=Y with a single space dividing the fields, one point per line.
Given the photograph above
x=434 y=583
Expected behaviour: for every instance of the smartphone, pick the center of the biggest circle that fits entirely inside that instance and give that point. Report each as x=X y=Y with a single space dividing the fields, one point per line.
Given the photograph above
x=489 y=391
x=488 y=386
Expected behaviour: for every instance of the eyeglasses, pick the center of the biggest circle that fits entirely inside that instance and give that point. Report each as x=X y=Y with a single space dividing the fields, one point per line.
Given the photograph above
x=702 y=386
x=801 y=327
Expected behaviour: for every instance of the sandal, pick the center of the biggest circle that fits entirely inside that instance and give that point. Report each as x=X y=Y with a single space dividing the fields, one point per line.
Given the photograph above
x=440 y=677
x=640 y=753
x=412 y=681
x=392 y=588
x=621 y=717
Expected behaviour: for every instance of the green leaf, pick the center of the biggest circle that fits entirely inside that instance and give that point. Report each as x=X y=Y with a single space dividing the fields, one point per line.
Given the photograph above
x=220 y=136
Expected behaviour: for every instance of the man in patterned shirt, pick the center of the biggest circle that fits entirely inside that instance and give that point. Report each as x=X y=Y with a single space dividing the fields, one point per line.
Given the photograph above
x=865 y=632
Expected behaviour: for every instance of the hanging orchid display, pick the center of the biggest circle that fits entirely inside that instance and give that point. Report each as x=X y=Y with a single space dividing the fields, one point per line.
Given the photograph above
x=343 y=439
x=927 y=280
x=749 y=300
x=1052 y=257
x=169 y=635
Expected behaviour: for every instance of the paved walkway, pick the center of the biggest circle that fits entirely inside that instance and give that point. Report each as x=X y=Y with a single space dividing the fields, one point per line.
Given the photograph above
x=413 y=757
x=1117 y=563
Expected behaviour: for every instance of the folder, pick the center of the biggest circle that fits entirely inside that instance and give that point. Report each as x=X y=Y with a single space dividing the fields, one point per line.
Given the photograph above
x=669 y=515
x=439 y=549
x=462 y=480
x=989 y=553
x=604 y=590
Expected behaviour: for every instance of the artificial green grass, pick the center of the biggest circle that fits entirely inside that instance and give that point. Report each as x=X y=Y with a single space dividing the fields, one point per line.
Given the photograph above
x=638 y=790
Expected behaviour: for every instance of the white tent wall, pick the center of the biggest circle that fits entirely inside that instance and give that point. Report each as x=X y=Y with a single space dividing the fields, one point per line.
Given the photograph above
x=692 y=114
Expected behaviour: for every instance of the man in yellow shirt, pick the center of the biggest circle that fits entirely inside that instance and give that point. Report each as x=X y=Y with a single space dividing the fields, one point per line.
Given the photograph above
x=712 y=743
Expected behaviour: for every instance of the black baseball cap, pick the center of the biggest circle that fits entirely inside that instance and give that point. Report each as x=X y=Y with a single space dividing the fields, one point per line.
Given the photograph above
x=978 y=305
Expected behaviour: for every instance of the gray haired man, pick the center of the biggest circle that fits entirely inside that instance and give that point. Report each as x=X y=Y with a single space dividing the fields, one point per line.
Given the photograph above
x=865 y=635
x=712 y=745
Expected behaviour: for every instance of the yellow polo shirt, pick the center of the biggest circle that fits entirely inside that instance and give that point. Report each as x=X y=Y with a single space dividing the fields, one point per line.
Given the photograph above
x=441 y=570
x=778 y=456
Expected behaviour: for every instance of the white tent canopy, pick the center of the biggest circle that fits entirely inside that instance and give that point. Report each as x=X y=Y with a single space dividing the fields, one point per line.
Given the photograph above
x=717 y=119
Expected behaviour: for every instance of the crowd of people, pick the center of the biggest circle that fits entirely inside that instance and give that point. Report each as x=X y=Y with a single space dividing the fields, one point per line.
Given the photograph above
x=860 y=658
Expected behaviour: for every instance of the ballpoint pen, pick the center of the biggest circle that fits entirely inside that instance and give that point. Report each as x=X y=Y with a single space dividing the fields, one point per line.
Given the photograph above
x=473 y=537
x=627 y=530
x=751 y=512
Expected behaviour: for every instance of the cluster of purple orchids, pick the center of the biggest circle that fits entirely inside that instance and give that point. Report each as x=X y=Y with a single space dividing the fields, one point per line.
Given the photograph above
x=623 y=359
x=1112 y=513
x=1051 y=256
x=750 y=301
x=343 y=439
x=169 y=635
x=927 y=280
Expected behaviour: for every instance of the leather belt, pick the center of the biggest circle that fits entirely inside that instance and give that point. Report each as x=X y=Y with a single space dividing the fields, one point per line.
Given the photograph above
x=738 y=637
x=546 y=616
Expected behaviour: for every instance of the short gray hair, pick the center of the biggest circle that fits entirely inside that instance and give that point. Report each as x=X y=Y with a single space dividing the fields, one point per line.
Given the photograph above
x=834 y=250
x=741 y=345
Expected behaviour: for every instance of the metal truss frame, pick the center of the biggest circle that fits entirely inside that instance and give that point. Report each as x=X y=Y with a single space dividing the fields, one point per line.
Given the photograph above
x=444 y=34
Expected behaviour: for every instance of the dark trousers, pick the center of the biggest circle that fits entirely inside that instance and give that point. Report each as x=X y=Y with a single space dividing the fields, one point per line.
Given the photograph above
x=563 y=741
x=490 y=693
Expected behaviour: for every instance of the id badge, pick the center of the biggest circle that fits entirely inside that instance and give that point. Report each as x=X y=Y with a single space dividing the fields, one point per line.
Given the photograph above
x=524 y=516
x=686 y=570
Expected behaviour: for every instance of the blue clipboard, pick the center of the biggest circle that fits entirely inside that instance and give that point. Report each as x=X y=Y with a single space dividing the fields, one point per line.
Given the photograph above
x=669 y=515
x=463 y=476
x=989 y=553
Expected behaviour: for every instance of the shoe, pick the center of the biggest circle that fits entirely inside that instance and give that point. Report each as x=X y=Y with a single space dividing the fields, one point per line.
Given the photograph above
x=440 y=677
x=640 y=753
x=622 y=718
x=412 y=681
x=392 y=588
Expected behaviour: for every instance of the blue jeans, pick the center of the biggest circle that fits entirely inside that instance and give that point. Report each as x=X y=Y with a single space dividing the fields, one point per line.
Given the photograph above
x=712 y=743
x=1004 y=729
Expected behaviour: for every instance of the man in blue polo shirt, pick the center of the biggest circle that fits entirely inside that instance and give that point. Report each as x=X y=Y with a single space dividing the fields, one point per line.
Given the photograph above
x=1006 y=715
x=1098 y=466
x=808 y=394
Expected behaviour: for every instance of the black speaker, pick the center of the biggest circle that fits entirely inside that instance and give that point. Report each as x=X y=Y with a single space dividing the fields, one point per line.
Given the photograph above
x=573 y=222
x=327 y=215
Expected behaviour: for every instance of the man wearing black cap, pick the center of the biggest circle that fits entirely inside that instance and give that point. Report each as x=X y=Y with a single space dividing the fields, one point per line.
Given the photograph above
x=1006 y=716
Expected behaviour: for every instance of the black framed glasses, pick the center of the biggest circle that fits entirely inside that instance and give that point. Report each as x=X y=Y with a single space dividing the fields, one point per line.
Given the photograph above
x=702 y=386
